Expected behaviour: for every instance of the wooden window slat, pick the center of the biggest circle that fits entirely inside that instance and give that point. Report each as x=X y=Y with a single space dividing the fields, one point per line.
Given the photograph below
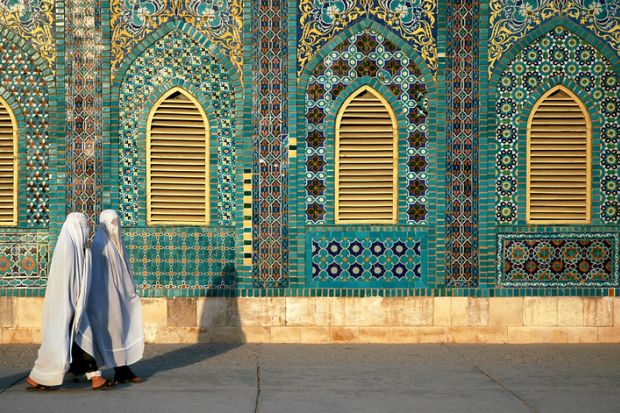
x=558 y=160
x=177 y=164
x=8 y=166
x=366 y=160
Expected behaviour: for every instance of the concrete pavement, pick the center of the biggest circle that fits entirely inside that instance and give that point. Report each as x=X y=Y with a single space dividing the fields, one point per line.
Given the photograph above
x=339 y=378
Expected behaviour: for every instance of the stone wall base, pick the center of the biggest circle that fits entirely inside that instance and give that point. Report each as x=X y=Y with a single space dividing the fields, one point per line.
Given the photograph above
x=353 y=320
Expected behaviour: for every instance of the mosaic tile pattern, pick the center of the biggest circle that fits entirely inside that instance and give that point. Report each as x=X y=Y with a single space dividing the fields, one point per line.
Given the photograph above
x=365 y=54
x=365 y=261
x=510 y=20
x=320 y=20
x=462 y=137
x=174 y=60
x=270 y=157
x=175 y=259
x=557 y=54
x=219 y=20
x=33 y=20
x=23 y=83
x=84 y=104
x=23 y=259
x=558 y=260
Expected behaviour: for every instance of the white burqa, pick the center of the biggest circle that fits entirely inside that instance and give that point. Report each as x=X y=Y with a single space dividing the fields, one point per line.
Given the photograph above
x=67 y=287
x=112 y=332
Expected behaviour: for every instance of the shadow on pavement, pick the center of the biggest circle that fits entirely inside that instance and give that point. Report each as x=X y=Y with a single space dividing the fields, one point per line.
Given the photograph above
x=177 y=357
x=10 y=380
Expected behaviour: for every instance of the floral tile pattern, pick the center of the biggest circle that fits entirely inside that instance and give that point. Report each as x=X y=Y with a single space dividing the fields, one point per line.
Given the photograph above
x=558 y=260
x=192 y=259
x=380 y=259
x=270 y=154
x=463 y=144
x=23 y=259
x=84 y=99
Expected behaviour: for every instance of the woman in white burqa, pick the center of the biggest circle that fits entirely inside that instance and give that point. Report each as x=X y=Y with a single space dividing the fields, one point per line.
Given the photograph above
x=113 y=333
x=63 y=308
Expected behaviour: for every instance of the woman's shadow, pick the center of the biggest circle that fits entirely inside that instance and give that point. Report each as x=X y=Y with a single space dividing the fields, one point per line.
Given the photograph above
x=219 y=330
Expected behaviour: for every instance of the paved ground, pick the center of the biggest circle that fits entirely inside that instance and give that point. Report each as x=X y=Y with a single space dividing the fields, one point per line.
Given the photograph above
x=347 y=378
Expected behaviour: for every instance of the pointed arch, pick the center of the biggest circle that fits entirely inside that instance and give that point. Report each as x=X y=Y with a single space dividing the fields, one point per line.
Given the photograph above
x=559 y=160
x=177 y=161
x=8 y=165
x=125 y=73
x=366 y=160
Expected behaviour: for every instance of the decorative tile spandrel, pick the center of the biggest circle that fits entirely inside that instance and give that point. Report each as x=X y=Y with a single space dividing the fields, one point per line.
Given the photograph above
x=33 y=20
x=321 y=20
x=219 y=20
x=511 y=20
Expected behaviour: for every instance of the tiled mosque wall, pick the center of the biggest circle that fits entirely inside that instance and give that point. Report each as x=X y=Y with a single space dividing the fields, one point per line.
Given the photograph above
x=461 y=76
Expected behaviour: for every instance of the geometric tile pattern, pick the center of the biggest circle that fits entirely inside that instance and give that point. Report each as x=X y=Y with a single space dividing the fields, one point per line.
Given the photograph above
x=84 y=103
x=321 y=20
x=175 y=259
x=220 y=21
x=23 y=80
x=270 y=154
x=380 y=259
x=33 y=20
x=510 y=20
x=558 y=53
x=462 y=137
x=365 y=53
x=23 y=259
x=583 y=260
x=174 y=58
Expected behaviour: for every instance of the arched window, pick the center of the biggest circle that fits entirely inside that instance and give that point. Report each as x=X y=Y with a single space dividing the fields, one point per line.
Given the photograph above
x=558 y=160
x=177 y=148
x=366 y=160
x=8 y=166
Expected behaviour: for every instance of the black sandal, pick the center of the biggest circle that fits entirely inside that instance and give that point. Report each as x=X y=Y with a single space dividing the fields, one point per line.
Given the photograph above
x=124 y=374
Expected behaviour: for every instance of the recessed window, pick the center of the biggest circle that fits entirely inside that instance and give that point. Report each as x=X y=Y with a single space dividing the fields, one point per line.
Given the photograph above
x=8 y=166
x=558 y=160
x=177 y=161
x=366 y=160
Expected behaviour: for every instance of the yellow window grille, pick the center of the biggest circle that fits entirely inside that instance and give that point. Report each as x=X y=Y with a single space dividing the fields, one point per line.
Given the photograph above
x=366 y=160
x=177 y=161
x=558 y=160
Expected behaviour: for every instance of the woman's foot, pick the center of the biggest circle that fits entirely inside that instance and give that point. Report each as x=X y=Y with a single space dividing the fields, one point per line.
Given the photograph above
x=124 y=374
x=33 y=385
x=100 y=383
